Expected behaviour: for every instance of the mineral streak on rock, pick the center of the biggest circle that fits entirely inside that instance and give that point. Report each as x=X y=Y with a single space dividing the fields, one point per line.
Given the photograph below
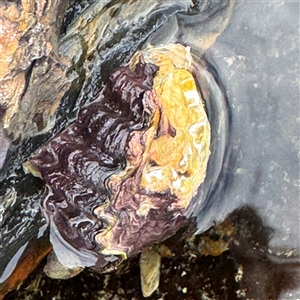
x=29 y=260
x=122 y=176
x=4 y=140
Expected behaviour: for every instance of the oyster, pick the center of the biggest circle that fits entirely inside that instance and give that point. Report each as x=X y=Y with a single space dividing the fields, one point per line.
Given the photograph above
x=92 y=41
x=150 y=271
x=258 y=169
x=123 y=175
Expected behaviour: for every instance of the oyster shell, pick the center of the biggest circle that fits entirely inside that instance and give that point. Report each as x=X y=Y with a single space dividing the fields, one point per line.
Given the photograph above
x=150 y=261
x=123 y=175
x=56 y=270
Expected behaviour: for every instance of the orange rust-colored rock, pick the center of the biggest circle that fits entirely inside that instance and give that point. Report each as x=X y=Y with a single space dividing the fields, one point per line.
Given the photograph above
x=29 y=261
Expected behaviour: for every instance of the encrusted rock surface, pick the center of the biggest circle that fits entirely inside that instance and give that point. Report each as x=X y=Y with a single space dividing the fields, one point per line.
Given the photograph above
x=30 y=66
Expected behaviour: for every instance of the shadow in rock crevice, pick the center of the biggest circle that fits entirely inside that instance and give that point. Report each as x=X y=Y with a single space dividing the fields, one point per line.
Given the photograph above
x=265 y=275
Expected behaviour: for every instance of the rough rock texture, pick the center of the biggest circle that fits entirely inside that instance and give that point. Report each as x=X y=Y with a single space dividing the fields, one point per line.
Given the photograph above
x=29 y=65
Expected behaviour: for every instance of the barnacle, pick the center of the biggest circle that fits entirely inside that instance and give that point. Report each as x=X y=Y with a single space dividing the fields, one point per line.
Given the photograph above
x=122 y=176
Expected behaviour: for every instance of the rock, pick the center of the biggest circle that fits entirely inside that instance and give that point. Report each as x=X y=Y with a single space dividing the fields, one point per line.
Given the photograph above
x=30 y=66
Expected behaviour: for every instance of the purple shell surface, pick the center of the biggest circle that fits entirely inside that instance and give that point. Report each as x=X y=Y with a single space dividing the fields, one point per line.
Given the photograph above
x=98 y=210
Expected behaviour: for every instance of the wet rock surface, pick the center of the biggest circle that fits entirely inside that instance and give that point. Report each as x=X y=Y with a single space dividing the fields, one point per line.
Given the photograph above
x=257 y=59
x=255 y=62
x=258 y=64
